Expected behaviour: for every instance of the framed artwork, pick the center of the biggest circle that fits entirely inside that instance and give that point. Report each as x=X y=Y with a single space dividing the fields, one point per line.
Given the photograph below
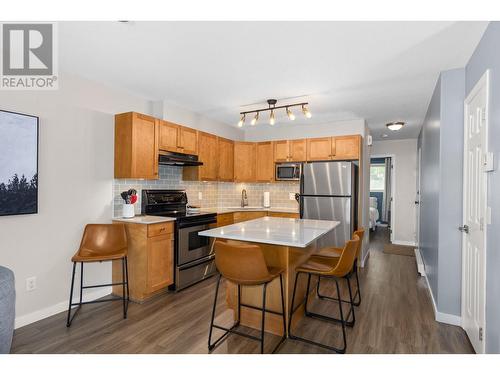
x=18 y=163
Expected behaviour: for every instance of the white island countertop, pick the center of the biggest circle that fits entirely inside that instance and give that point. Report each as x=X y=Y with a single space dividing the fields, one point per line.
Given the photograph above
x=275 y=231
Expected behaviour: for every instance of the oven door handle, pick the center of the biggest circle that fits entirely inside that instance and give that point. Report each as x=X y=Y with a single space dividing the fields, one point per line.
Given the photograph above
x=197 y=223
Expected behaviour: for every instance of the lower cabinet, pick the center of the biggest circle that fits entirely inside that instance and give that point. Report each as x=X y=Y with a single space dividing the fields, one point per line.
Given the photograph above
x=290 y=215
x=150 y=260
x=239 y=216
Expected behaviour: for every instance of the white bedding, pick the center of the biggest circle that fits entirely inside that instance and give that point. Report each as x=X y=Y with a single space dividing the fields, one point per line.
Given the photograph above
x=373 y=217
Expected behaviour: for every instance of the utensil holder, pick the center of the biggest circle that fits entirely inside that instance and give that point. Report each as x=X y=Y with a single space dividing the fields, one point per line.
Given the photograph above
x=128 y=210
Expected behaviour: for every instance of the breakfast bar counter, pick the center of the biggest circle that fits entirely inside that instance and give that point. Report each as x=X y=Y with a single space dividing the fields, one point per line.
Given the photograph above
x=286 y=243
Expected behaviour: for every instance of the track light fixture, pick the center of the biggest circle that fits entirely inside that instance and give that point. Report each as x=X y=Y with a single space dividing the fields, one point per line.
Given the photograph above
x=242 y=121
x=272 y=109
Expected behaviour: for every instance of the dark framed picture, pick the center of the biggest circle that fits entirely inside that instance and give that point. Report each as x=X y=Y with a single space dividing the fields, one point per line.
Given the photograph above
x=18 y=163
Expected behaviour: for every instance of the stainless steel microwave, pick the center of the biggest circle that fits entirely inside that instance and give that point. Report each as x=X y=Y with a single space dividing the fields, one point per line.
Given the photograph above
x=288 y=171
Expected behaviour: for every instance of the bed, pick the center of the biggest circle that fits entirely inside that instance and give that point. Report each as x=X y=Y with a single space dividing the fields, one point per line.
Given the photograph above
x=374 y=214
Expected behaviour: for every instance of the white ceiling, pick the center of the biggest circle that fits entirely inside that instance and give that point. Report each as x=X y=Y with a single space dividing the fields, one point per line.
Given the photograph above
x=379 y=71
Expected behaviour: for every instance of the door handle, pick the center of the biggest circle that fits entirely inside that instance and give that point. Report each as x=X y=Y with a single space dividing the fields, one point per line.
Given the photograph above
x=464 y=228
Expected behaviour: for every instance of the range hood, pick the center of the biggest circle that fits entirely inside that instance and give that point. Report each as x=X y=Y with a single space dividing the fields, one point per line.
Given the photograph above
x=178 y=159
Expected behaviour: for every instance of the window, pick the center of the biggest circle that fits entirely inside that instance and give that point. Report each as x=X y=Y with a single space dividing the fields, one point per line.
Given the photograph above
x=377 y=177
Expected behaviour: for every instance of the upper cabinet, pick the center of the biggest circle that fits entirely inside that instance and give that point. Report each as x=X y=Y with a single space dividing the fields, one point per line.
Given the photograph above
x=294 y=150
x=226 y=159
x=136 y=146
x=334 y=148
x=208 y=155
x=244 y=161
x=177 y=138
x=264 y=169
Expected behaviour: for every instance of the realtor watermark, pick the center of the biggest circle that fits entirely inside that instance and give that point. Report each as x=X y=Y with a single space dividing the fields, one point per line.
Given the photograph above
x=29 y=56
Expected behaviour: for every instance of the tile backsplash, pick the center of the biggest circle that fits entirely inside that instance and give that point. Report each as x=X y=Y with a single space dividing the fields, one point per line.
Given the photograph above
x=214 y=194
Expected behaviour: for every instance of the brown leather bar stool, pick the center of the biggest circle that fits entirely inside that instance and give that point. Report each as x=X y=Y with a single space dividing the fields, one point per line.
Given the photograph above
x=334 y=252
x=332 y=268
x=100 y=243
x=244 y=264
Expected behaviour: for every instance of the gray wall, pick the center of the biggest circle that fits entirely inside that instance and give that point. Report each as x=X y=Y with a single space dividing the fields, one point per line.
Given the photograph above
x=450 y=191
x=487 y=56
x=441 y=143
x=428 y=142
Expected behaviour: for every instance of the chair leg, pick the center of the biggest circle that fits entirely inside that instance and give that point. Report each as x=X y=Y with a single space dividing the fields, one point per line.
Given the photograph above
x=210 y=345
x=307 y=294
x=81 y=282
x=351 y=310
x=358 y=291
x=262 y=333
x=124 y=298
x=126 y=273
x=239 y=303
x=68 y=321
x=292 y=310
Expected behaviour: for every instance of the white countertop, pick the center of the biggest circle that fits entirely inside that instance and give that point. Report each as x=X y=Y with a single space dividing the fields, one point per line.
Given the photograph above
x=145 y=219
x=275 y=231
x=225 y=210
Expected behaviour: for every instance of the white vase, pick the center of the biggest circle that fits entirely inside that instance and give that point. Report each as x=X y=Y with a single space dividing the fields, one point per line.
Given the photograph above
x=128 y=210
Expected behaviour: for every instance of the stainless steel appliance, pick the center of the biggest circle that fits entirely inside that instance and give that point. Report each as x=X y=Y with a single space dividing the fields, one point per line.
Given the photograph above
x=329 y=191
x=194 y=260
x=178 y=159
x=288 y=171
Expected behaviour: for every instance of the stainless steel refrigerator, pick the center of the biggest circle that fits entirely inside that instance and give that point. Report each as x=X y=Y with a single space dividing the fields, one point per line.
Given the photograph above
x=329 y=191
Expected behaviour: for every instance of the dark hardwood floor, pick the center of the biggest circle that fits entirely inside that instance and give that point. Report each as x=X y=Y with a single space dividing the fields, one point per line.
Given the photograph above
x=395 y=316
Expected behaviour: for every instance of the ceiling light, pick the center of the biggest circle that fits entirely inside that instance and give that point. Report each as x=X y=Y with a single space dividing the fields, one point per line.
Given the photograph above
x=271 y=103
x=242 y=121
x=395 y=125
x=305 y=111
x=255 y=119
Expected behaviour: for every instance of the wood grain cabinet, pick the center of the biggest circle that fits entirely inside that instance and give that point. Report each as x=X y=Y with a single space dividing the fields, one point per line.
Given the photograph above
x=264 y=169
x=208 y=155
x=136 y=146
x=150 y=260
x=334 y=148
x=177 y=138
x=240 y=216
x=293 y=150
x=244 y=161
x=226 y=159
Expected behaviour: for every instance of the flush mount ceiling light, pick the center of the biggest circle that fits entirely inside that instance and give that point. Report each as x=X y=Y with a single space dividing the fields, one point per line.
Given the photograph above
x=272 y=109
x=395 y=125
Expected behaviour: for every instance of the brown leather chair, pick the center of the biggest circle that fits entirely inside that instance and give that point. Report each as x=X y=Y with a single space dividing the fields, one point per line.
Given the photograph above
x=100 y=243
x=334 y=252
x=244 y=264
x=335 y=269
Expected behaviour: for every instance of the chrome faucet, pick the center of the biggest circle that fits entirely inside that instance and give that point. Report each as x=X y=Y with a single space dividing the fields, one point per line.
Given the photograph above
x=244 y=198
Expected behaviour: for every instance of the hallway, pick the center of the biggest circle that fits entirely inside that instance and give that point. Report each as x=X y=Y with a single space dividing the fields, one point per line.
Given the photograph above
x=395 y=316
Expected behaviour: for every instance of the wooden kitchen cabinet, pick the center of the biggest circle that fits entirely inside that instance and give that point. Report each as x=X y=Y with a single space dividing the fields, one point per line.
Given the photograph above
x=208 y=155
x=334 y=148
x=150 y=260
x=188 y=140
x=264 y=169
x=244 y=161
x=226 y=159
x=136 y=146
x=225 y=219
x=177 y=138
x=292 y=150
x=240 y=216
x=346 y=147
x=289 y=215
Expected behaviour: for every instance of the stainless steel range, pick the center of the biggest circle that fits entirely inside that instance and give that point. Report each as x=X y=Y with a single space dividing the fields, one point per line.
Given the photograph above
x=194 y=260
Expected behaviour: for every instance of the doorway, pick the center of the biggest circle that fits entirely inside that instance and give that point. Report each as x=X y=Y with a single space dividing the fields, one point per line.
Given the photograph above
x=474 y=214
x=382 y=193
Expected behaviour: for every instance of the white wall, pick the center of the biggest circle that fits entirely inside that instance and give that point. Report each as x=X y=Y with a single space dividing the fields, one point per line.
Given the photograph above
x=265 y=132
x=171 y=112
x=403 y=219
x=75 y=188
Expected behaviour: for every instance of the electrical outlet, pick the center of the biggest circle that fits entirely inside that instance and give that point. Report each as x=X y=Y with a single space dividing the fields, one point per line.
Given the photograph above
x=291 y=196
x=30 y=284
x=200 y=195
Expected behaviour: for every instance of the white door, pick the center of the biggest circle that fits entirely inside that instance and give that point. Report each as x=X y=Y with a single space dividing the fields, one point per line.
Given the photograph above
x=474 y=229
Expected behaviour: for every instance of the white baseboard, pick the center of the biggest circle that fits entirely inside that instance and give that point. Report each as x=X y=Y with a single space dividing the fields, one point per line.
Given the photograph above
x=403 y=243
x=441 y=317
x=363 y=260
x=420 y=262
x=57 y=308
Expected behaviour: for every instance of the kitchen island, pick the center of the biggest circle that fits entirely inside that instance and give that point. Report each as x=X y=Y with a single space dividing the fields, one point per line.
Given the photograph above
x=286 y=243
